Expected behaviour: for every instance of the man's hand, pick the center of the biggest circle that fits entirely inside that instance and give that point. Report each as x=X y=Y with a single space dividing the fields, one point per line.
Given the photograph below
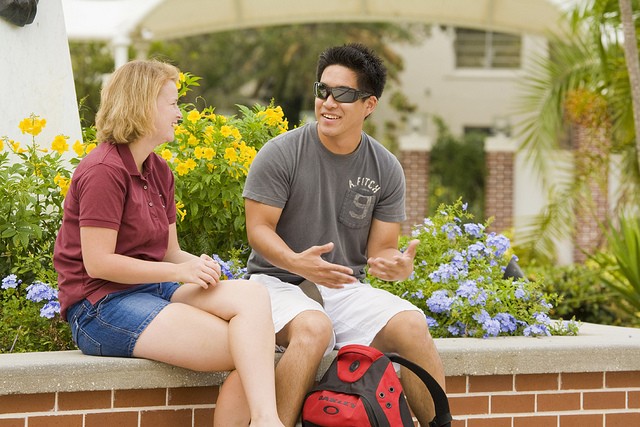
x=310 y=265
x=398 y=267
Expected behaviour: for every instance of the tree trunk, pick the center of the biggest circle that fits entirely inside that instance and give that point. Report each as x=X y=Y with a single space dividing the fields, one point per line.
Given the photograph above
x=633 y=65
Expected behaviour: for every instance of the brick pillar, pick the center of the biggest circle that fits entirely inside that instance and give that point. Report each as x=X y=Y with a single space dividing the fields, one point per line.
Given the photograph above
x=415 y=152
x=591 y=209
x=499 y=196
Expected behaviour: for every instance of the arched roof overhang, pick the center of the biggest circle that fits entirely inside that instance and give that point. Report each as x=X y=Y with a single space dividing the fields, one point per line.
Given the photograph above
x=121 y=22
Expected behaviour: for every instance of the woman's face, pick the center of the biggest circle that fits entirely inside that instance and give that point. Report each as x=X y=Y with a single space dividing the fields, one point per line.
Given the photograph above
x=168 y=112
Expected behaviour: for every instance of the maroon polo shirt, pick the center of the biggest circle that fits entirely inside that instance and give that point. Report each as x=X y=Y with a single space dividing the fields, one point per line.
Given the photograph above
x=108 y=191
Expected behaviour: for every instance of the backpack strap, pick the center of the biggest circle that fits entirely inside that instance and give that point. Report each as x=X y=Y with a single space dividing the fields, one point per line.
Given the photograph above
x=443 y=413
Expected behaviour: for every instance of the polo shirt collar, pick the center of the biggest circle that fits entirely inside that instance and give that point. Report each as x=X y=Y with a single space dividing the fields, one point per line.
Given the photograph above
x=129 y=163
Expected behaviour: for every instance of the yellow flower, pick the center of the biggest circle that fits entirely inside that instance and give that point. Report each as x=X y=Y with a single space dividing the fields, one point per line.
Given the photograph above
x=193 y=116
x=284 y=126
x=226 y=130
x=90 y=147
x=63 y=183
x=180 y=210
x=15 y=146
x=59 y=144
x=32 y=125
x=273 y=116
x=198 y=152
x=230 y=155
x=209 y=153
x=180 y=130
x=181 y=168
x=166 y=154
x=247 y=153
x=1 y=144
x=190 y=164
x=193 y=140
x=78 y=147
x=181 y=78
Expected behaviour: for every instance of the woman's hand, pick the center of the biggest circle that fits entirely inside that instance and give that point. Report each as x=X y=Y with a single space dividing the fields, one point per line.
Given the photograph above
x=203 y=271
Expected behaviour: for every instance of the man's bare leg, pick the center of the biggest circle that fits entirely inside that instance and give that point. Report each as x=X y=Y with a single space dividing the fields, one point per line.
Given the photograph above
x=306 y=338
x=408 y=335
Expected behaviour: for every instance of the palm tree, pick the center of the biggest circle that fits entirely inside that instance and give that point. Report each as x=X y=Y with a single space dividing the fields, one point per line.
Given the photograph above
x=581 y=87
x=633 y=64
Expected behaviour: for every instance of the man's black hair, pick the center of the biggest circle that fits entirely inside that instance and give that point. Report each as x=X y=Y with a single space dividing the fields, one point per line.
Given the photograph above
x=371 y=72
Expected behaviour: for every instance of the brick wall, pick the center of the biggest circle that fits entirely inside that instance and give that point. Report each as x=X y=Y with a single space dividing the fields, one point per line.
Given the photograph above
x=590 y=399
x=416 y=171
x=165 y=407
x=499 y=189
x=598 y=399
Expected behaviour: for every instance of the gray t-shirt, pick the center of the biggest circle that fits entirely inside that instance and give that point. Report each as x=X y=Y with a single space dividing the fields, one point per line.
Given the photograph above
x=325 y=197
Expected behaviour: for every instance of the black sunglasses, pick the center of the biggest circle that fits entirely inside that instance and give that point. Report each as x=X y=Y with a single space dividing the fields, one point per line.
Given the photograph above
x=340 y=94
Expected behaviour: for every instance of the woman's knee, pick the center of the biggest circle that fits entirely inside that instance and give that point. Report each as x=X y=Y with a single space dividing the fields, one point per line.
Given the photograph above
x=251 y=291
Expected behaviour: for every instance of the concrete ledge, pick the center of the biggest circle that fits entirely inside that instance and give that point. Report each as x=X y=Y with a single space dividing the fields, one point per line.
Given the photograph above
x=596 y=348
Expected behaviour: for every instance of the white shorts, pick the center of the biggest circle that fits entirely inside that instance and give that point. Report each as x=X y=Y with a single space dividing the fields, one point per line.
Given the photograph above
x=358 y=311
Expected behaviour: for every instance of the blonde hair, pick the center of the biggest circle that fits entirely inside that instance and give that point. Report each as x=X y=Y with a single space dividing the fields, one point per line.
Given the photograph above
x=128 y=102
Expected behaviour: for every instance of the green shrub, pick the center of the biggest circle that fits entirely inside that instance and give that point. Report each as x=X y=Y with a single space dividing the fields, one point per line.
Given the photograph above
x=620 y=268
x=581 y=293
x=210 y=158
x=30 y=318
x=458 y=282
x=34 y=180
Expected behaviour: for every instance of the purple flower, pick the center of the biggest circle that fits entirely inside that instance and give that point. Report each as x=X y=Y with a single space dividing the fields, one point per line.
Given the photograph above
x=418 y=294
x=456 y=329
x=468 y=289
x=477 y=250
x=226 y=268
x=536 y=329
x=521 y=294
x=431 y=322
x=489 y=325
x=451 y=230
x=499 y=243
x=439 y=301
x=50 y=309
x=39 y=291
x=507 y=322
x=11 y=281
x=475 y=230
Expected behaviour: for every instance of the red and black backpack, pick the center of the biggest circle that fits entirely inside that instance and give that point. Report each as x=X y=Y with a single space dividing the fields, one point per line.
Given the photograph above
x=361 y=388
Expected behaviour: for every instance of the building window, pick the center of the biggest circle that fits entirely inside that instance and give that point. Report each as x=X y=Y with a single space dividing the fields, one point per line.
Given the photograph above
x=486 y=49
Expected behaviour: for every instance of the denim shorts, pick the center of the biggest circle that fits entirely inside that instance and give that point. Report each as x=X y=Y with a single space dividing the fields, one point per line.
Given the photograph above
x=112 y=326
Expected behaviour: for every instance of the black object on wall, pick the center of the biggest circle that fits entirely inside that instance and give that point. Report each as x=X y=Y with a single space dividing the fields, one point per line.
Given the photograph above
x=19 y=12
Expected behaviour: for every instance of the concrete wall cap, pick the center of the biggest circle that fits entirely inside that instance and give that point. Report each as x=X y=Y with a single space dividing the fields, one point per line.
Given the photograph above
x=597 y=348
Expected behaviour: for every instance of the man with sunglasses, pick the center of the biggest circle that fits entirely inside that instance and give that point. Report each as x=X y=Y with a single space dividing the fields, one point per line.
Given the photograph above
x=324 y=202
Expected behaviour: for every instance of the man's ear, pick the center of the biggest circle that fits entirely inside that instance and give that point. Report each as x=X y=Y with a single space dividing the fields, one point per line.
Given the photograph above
x=371 y=103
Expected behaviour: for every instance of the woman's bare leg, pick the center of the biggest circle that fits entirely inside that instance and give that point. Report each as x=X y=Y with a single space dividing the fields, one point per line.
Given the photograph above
x=231 y=407
x=225 y=327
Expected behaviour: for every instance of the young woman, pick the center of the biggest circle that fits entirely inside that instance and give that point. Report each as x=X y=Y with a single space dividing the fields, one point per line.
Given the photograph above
x=125 y=286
